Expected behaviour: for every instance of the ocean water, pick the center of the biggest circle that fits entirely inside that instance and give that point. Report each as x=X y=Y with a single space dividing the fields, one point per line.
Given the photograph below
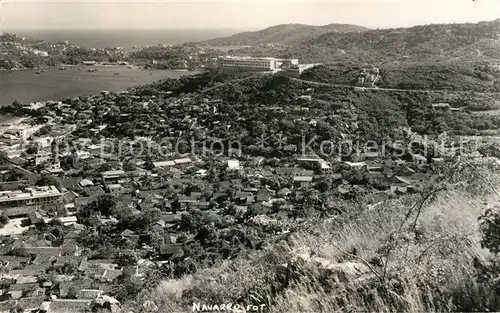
x=125 y=38
x=52 y=84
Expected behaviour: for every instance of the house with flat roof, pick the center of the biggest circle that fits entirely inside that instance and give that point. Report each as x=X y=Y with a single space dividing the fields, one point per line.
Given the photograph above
x=183 y=161
x=30 y=196
x=173 y=163
x=89 y=293
x=302 y=181
x=441 y=106
x=357 y=165
x=115 y=189
x=69 y=305
x=164 y=164
x=114 y=175
x=233 y=165
x=43 y=157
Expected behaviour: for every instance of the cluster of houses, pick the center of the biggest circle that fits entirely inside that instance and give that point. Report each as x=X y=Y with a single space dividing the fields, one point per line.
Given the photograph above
x=21 y=48
x=368 y=77
x=27 y=259
x=181 y=57
x=39 y=277
x=34 y=271
x=14 y=46
x=57 y=167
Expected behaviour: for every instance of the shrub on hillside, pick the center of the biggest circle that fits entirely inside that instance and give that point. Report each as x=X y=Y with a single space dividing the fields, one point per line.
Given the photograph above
x=4 y=220
x=489 y=271
x=490 y=226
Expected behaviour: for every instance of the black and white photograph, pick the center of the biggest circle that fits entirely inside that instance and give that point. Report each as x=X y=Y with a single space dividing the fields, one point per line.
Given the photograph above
x=249 y=156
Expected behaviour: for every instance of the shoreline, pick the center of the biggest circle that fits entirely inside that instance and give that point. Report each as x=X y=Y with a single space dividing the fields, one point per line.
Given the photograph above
x=8 y=119
x=62 y=65
x=22 y=69
x=135 y=66
x=176 y=74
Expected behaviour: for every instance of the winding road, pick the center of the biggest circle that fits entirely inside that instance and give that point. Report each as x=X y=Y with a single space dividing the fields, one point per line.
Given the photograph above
x=352 y=87
x=385 y=89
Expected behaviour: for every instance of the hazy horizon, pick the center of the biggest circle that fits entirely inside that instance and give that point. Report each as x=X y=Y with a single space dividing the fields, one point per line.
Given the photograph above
x=235 y=29
x=239 y=15
x=239 y=29
x=124 y=38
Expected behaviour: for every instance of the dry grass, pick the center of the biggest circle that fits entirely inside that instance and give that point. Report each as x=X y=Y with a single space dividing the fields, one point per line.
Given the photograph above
x=428 y=268
x=433 y=272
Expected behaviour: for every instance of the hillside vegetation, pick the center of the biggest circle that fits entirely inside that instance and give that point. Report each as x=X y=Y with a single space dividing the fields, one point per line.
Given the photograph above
x=461 y=76
x=417 y=254
x=420 y=43
x=25 y=53
x=285 y=34
x=347 y=242
x=379 y=111
x=429 y=41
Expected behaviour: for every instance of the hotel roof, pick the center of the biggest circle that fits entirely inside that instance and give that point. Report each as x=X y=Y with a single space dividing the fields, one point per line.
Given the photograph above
x=247 y=58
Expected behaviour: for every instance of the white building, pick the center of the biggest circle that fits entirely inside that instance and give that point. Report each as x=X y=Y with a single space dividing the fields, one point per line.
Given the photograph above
x=325 y=168
x=247 y=63
x=171 y=163
x=11 y=151
x=286 y=62
x=65 y=220
x=115 y=189
x=234 y=165
x=164 y=164
x=113 y=175
x=19 y=132
x=43 y=157
x=81 y=155
x=183 y=162
x=30 y=196
x=44 y=142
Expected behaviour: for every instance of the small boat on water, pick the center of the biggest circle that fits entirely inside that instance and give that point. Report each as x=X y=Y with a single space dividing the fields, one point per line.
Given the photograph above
x=130 y=67
x=92 y=70
x=116 y=73
x=38 y=72
x=62 y=68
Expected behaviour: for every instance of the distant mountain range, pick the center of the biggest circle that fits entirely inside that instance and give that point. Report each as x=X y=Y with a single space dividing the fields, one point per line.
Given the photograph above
x=339 y=42
x=285 y=34
x=451 y=40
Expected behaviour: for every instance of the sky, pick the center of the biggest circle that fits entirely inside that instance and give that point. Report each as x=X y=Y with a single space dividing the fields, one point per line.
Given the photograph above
x=241 y=14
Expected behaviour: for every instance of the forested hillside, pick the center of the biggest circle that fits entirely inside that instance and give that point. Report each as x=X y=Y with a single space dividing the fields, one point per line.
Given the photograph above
x=420 y=43
x=430 y=41
x=285 y=34
x=471 y=76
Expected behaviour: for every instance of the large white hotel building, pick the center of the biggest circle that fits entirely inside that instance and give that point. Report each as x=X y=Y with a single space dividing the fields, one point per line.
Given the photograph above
x=252 y=63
